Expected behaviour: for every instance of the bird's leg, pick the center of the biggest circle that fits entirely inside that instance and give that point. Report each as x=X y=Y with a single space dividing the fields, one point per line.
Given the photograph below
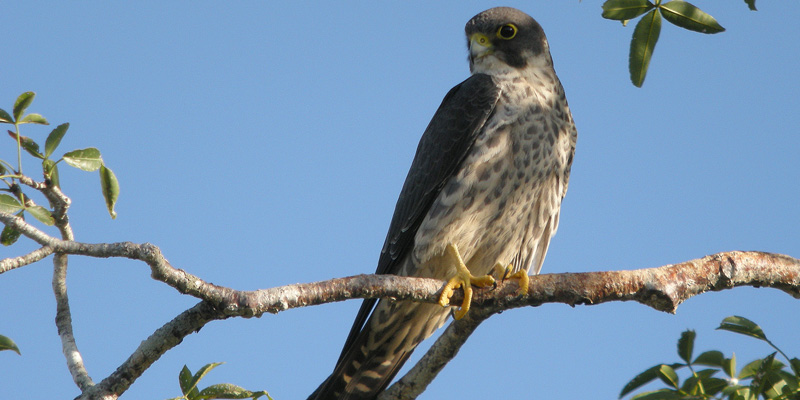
x=508 y=273
x=463 y=278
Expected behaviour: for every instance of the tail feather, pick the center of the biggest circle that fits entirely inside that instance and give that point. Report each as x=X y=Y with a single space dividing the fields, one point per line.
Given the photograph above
x=376 y=355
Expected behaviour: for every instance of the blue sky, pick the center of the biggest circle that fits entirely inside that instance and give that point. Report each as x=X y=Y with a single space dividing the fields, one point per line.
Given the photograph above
x=263 y=144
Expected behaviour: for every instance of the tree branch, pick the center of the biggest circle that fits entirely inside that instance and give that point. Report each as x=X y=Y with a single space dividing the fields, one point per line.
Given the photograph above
x=7 y=264
x=413 y=383
x=58 y=201
x=60 y=204
x=64 y=325
x=150 y=350
x=661 y=288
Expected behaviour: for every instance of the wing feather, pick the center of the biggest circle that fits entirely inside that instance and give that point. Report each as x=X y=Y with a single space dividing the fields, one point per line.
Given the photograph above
x=443 y=147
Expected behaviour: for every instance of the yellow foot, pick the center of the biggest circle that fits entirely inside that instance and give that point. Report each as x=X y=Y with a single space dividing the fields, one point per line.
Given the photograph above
x=463 y=279
x=508 y=273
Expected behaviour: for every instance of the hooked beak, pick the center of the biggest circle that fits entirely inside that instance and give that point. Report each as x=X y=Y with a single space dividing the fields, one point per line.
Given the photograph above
x=479 y=46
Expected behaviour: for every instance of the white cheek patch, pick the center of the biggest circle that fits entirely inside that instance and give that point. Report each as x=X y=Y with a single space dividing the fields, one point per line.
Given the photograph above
x=490 y=65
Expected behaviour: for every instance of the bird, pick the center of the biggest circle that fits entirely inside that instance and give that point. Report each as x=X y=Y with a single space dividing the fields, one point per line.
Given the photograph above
x=481 y=200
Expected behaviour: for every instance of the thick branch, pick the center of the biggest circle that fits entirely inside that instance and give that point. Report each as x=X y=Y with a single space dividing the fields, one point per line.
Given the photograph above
x=662 y=288
x=240 y=303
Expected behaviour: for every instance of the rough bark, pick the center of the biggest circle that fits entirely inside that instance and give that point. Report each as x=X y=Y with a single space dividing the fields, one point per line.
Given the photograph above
x=662 y=288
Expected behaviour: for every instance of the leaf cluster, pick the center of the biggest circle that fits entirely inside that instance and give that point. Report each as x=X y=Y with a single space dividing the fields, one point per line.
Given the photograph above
x=88 y=159
x=768 y=377
x=189 y=381
x=648 y=29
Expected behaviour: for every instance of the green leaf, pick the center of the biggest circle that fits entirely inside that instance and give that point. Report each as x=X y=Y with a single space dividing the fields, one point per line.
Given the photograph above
x=204 y=370
x=738 y=392
x=752 y=368
x=644 y=378
x=110 y=187
x=662 y=394
x=54 y=138
x=34 y=119
x=751 y=4
x=760 y=383
x=9 y=204
x=86 y=159
x=623 y=10
x=743 y=326
x=5 y=118
x=690 y=17
x=50 y=169
x=731 y=389
x=640 y=380
x=792 y=381
x=7 y=344
x=712 y=386
x=686 y=345
x=645 y=36
x=795 y=363
x=706 y=373
x=729 y=366
x=749 y=370
x=777 y=382
x=702 y=376
x=187 y=383
x=225 y=391
x=28 y=144
x=23 y=101
x=713 y=358
x=9 y=235
x=667 y=375
x=704 y=380
x=42 y=214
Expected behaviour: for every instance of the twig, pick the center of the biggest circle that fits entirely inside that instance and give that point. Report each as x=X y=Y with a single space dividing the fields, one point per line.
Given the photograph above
x=58 y=201
x=150 y=350
x=7 y=264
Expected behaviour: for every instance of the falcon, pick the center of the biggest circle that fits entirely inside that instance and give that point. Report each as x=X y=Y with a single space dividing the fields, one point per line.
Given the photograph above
x=481 y=199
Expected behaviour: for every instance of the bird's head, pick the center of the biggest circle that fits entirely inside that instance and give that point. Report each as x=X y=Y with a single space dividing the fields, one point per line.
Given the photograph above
x=505 y=37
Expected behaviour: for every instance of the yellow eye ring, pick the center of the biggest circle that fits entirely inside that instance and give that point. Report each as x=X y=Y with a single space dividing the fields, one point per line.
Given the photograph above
x=507 y=31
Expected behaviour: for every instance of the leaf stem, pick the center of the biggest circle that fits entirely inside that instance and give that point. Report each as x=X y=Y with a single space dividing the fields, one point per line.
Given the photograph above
x=19 y=148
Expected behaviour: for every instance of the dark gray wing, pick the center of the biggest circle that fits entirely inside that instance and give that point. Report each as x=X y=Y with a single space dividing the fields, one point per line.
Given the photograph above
x=443 y=147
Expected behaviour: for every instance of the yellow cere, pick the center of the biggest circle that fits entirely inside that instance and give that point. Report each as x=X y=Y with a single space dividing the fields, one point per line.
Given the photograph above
x=480 y=39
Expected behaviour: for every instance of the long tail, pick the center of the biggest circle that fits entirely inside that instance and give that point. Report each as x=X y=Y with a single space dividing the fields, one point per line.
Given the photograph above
x=389 y=337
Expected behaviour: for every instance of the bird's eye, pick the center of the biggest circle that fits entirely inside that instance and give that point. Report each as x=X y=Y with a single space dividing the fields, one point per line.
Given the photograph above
x=507 y=31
